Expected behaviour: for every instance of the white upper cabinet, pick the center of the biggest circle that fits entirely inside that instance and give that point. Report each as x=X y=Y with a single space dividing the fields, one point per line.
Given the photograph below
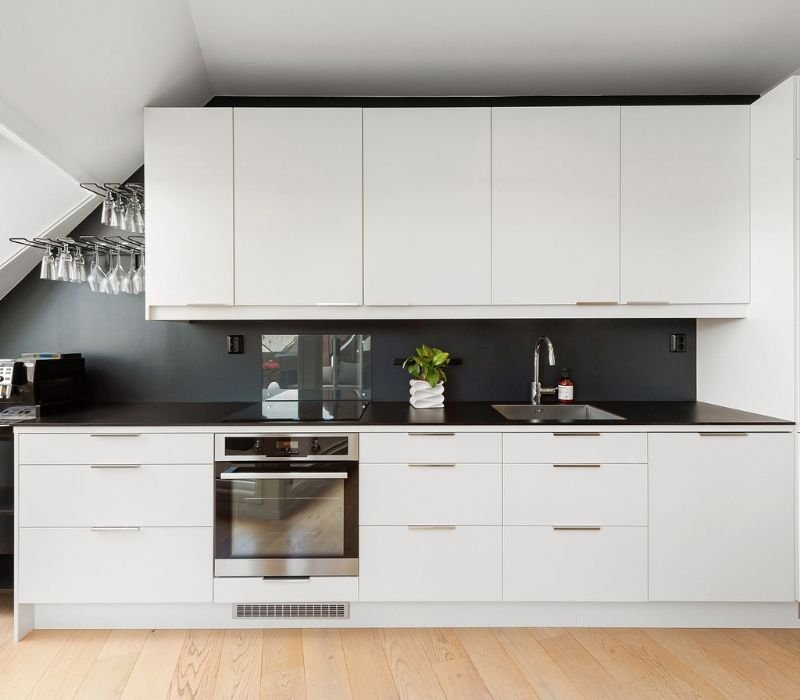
x=297 y=187
x=685 y=204
x=555 y=205
x=427 y=206
x=189 y=213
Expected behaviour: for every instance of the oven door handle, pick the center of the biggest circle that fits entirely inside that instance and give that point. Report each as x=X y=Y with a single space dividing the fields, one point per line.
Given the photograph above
x=258 y=476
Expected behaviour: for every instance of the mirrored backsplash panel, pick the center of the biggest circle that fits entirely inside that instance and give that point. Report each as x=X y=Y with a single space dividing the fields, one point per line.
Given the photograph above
x=316 y=367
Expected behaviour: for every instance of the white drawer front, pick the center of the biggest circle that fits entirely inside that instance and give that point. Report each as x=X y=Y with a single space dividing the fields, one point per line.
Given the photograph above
x=427 y=494
x=403 y=564
x=566 y=448
x=543 y=564
x=430 y=447
x=80 y=495
x=119 y=447
x=150 y=565
x=555 y=494
x=325 y=589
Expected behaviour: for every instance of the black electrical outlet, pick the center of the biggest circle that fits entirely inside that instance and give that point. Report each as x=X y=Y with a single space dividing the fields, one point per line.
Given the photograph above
x=235 y=344
x=677 y=342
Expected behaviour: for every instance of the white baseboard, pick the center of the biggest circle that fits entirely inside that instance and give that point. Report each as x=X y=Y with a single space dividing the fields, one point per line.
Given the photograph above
x=220 y=616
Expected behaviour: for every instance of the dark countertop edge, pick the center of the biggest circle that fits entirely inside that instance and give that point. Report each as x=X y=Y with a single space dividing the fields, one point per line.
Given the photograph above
x=396 y=413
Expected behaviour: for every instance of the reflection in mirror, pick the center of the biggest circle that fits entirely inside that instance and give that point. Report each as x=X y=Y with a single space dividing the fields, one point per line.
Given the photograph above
x=324 y=367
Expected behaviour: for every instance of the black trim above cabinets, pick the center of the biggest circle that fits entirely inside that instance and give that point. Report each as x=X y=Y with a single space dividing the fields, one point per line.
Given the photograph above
x=540 y=101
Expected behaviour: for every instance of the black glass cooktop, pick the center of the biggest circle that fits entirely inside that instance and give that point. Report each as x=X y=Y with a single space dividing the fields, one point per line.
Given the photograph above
x=305 y=410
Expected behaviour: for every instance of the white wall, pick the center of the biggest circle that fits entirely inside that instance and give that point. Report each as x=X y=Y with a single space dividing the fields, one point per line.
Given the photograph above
x=751 y=363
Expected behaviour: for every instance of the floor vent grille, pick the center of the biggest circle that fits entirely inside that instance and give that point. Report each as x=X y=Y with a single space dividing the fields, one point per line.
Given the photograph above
x=297 y=611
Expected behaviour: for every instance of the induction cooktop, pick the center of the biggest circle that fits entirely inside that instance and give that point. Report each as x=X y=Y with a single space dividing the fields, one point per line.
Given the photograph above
x=304 y=410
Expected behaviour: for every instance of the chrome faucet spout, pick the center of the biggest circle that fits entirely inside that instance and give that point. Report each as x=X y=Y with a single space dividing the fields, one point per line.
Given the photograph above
x=537 y=390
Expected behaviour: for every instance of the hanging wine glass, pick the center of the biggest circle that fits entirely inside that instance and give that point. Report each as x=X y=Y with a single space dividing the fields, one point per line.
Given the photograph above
x=48 y=267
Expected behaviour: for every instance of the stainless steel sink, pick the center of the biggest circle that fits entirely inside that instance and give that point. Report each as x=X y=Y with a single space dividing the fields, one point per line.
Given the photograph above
x=553 y=413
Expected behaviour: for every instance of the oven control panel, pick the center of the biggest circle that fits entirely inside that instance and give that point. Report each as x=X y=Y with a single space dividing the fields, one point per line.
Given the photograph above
x=278 y=446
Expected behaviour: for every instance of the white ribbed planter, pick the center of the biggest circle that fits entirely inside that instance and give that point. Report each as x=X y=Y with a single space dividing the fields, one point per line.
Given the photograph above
x=423 y=395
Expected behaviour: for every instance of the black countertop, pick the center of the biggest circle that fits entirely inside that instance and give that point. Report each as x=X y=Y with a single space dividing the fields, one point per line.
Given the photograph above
x=456 y=413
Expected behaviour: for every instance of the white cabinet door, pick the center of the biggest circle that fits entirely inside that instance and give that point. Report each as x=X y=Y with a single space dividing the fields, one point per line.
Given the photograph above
x=188 y=160
x=134 y=565
x=606 y=564
x=83 y=495
x=555 y=205
x=430 y=564
x=685 y=204
x=428 y=446
x=297 y=175
x=575 y=494
x=430 y=494
x=427 y=206
x=722 y=525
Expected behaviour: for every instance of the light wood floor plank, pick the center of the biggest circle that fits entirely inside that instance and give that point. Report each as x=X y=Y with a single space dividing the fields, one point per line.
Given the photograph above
x=367 y=665
x=326 y=669
x=591 y=679
x=635 y=677
x=501 y=675
x=460 y=680
x=679 y=677
x=723 y=661
x=411 y=670
x=109 y=673
x=543 y=674
x=440 y=644
x=282 y=668
x=24 y=663
x=196 y=670
x=239 y=673
x=152 y=673
x=69 y=667
x=767 y=647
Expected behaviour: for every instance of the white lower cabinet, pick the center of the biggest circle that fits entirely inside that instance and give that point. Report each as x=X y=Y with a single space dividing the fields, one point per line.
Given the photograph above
x=115 y=565
x=584 y=494
x=85 y=495
x=430 y=494
x=554 y=564
x=430 y=563
x=722 y=517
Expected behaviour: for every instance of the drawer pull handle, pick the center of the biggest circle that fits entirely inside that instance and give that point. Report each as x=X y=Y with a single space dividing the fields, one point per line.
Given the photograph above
x=576 y=466
x=722 y=434
x=576 y=434
x=115 y=529
x=115 y=466
x=103 y=435
x=432 y=465
x=562 y=528
x=431 y=435
x=431 y=527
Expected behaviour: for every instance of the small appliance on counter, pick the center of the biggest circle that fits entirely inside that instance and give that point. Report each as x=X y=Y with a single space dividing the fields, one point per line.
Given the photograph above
x=32 y=385
x=40 y=384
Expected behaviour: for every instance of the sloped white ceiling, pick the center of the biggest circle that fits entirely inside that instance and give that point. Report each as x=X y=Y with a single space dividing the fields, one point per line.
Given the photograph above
x=77 y=74
x=497 y=47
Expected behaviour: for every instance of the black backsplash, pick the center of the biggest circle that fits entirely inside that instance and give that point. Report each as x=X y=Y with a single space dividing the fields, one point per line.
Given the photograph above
x=130 y=359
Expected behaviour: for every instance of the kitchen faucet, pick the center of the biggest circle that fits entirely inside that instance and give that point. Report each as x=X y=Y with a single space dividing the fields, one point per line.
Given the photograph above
x=536 y=386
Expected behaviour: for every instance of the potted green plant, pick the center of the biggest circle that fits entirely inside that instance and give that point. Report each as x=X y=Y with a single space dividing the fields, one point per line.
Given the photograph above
x=428 y=376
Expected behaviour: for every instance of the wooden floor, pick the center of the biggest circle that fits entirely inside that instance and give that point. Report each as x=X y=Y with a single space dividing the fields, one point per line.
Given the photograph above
x=414 y=663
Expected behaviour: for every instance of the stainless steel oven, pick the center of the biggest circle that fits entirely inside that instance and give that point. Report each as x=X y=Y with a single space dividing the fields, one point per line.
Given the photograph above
x=286 y=505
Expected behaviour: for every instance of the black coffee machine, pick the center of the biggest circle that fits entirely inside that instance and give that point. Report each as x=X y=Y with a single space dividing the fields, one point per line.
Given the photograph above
x=41 y=384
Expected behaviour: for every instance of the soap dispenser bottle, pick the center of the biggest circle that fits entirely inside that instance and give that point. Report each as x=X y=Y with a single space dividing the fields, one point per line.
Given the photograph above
x=566 y=388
